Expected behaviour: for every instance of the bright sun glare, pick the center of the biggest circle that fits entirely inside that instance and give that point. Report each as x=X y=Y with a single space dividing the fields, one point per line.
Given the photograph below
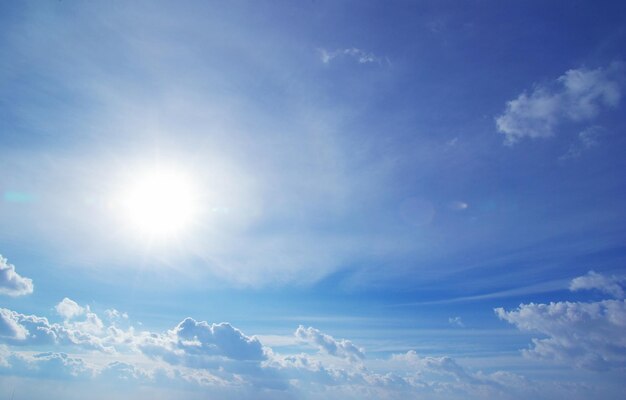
x=159 y=203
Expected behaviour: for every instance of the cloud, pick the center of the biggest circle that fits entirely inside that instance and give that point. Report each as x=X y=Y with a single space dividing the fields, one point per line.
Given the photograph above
x=587 y=335
x=10 y=328
x=586 y=139
x=200 y=345
x=458 y=205
x=11 y=283
x=361 y=56
x=115 y=315
x=339 y=348
x=446 y=365
x=221 y=360
x=50 y=365
x=31 y=330
x=69 y=309
x=456 y=321
x=610 y=285
x=577 y=96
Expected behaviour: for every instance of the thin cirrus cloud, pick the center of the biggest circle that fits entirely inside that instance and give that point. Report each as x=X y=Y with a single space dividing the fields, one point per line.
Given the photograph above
x=588 y=335
x=361 y=56
x=577 y=96
x=12 y=283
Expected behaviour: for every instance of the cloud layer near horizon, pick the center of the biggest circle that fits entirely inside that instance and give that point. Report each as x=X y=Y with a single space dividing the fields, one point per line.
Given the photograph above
x=222 y=359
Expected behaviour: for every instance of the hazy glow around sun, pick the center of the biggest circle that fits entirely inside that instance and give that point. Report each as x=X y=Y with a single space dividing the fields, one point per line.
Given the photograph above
x=159 y=203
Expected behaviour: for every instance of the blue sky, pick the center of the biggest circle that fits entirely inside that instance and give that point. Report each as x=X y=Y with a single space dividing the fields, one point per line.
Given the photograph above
x=320 y=199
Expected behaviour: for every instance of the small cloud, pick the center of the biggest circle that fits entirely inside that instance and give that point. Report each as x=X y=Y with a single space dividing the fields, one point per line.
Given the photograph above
x=611 y=285
x=115 y=315
x=11 y=283
x=69 y=309
x=339 y=348
x=458 y=205
x=576 y=96
x=456 y=321
x=361 y=56
x=452 y=142
x=587 y=139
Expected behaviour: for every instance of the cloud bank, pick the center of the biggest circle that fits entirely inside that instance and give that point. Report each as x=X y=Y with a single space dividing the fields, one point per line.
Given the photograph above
x=219 y=359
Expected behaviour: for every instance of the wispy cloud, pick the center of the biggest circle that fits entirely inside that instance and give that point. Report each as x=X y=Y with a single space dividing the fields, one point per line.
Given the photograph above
x=577 y=96
x=585 y=140
x=612 y=285
x=361 y=56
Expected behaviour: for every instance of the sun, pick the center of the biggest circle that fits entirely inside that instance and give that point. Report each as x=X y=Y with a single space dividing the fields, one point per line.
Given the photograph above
x=159 y=203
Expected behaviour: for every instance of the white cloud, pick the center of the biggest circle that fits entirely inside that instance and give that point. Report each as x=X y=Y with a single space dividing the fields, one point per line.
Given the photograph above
x=611 y=285
x=50 y=365
x=31 y=330
x=200 y=345
x=361 y=56
x=10 y=328
x=446 y=365
x=339 y=348
x=579 y=95
x=68 y=309
x=458 y=205
x=115 y=315
x=588 y=335
x=221 y=360
x=456 y=321
x=11 y=283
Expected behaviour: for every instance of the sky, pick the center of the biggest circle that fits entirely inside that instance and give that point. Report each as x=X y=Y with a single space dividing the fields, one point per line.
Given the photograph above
x=312 y=200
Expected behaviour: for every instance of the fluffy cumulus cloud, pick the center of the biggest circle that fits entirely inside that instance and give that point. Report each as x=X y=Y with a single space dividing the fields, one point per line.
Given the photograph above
x=220 y=360
x=199 y=344
x=585 y=334
x=577 y=96
x=339 y=348
x=10 y=328
x=31 y=330
x=11 y=283
x=68 y=309
x=588 y=335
